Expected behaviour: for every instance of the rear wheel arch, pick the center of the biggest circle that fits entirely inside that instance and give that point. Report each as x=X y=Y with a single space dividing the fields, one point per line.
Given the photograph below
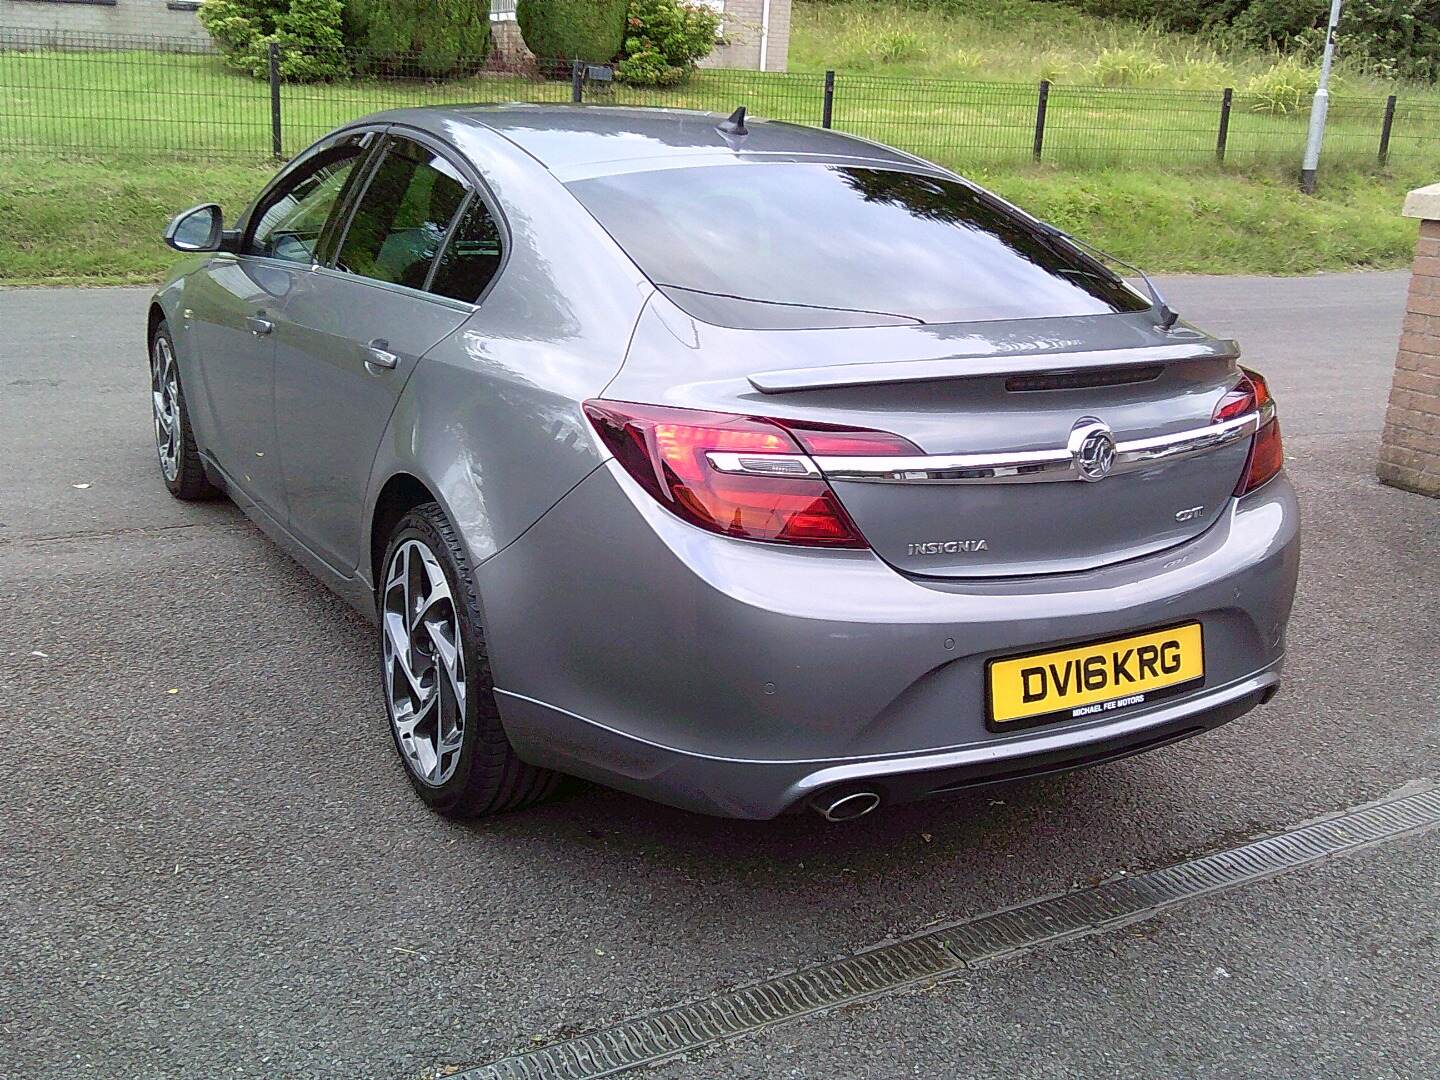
x=401 y=493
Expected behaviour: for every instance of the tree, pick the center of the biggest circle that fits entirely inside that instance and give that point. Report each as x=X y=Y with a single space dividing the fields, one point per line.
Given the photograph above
x=425 y=37
x=665 y=39
x=307 y=32
x=590 y=30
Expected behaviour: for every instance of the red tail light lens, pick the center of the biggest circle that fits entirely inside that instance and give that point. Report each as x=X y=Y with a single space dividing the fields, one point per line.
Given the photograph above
x=832 y=441
x=1267 y=455
x=1266 y=458
x=738 y=476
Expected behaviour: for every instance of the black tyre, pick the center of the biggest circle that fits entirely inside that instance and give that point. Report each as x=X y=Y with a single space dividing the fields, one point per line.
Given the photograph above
x=180 y=464
x=439 y=692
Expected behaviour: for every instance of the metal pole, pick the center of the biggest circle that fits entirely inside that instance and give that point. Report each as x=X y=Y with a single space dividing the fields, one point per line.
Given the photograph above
x=827 y=115
x=1385 y=128
x=764 y=35
x=1319 y=107
x=1040 y=106
x=577 y=81
x=275 y=141
x=1224 y=136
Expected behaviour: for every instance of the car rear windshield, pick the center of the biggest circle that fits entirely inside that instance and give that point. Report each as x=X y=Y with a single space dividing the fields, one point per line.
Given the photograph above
x=900 y=245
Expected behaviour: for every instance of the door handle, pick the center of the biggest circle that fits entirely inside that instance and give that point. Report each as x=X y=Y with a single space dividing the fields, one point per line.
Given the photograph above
x=259 y=325
x=378 y=355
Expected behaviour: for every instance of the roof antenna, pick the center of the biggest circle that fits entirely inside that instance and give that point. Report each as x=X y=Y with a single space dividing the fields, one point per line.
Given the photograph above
x=735 y=125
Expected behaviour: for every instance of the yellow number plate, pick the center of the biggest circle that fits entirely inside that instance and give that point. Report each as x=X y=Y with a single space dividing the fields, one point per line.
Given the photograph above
x=1092 y=680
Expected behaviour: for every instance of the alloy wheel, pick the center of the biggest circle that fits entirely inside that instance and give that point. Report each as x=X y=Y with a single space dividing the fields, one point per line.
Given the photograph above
x=424 y=663
x=165 y=403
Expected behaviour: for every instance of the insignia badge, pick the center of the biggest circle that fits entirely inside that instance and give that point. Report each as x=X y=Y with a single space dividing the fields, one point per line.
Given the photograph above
x=1092 y=448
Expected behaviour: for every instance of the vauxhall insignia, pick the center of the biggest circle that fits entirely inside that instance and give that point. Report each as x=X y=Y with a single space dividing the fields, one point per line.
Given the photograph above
x=1092 y=448
x=949 y=547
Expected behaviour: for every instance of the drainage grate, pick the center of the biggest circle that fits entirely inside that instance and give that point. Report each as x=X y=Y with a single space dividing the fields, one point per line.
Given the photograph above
x=886 y=969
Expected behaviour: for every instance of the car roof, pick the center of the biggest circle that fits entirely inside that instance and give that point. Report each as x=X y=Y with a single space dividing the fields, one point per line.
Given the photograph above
x=577 y=140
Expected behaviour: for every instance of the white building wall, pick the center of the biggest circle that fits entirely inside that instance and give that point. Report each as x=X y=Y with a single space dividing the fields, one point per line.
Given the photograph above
x=141 y=18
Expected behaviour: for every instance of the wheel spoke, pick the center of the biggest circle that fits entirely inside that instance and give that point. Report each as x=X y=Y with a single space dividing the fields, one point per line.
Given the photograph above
x=451 y=663
x=162 y=414
x=447 y=744
x=434 y=608
x=428 y=591
x=400 y=659
x=406 y=724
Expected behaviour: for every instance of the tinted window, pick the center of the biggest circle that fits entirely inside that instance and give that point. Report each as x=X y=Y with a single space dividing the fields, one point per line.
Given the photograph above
x=853 y=239
x=291 y=224
x=403 y=216
x=471 y=257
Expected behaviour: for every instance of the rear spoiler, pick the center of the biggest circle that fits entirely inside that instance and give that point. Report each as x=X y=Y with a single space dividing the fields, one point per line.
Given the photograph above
x=791 y=380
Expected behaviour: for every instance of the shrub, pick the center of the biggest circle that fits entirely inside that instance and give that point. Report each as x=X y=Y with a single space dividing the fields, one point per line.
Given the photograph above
x=1124 y=67
x=665 y=39
x=1401 y=37
x=894 y=46
x=424 y=37
x=307 y=32
x=591 y=30
x=1284 y=89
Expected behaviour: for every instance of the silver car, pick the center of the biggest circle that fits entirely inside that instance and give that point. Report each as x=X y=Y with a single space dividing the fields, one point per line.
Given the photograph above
x=741 y=465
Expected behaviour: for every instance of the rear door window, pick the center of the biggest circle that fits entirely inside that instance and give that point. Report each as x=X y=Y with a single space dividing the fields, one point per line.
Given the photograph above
x=472 y=256
x=894 y=245
x=403 y=217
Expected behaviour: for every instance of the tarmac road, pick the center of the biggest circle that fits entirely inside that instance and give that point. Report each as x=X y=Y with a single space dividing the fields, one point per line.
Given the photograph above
x=211 y=864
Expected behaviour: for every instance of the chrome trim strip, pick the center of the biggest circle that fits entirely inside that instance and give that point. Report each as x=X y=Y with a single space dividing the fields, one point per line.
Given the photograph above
x=1037 y=466
x=786 y=466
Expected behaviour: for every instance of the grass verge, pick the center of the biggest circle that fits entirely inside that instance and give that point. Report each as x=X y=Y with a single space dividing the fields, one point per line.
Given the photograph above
x=1026 y=40
x=87 y=223
x=83 y=223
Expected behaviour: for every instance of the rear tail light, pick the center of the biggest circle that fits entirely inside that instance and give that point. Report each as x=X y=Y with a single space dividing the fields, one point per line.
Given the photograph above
x=739 y=476
x=1267 y=455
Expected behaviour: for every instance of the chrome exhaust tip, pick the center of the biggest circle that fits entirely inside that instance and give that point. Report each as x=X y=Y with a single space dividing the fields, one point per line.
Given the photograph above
x=845 y=807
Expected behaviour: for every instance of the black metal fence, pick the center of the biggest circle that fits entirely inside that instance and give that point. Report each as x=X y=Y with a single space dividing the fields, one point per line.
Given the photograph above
x=106 y=96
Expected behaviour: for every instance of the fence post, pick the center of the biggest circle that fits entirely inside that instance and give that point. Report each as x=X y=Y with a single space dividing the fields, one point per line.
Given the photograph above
x=1040 y=105
x=577 y=81
x=276 y=146
x=1385 y=129
x=1224 y=136
x=827 y=116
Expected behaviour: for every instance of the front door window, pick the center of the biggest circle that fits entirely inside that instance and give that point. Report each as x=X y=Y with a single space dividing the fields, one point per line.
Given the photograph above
x=293 y=220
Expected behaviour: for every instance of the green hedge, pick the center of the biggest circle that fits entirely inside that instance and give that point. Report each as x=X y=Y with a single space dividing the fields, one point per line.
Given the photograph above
x=423 y=37
x=665 y=40
x=591 y=30
x=307 y=33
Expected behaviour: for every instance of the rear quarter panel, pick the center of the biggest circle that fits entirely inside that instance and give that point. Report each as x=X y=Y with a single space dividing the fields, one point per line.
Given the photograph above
x=491 y=420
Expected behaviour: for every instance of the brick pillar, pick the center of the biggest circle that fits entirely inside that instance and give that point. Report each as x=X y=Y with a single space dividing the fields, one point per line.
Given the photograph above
x=1410 y=446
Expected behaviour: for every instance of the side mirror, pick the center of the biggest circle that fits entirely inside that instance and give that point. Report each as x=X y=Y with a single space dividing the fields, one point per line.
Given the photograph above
x=198 y=229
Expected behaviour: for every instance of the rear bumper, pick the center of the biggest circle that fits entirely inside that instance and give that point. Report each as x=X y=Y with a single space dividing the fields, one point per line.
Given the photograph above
x=740 y=679
x=765 y=789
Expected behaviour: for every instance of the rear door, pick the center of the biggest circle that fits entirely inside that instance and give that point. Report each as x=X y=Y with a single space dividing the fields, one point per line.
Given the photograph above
x=349 y=334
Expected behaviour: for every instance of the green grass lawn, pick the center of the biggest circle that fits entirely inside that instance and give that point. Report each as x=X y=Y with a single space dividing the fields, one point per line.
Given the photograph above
x=98 y=148
x=98 y=223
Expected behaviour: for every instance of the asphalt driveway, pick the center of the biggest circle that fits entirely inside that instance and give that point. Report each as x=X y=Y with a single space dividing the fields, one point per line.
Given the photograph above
x=211 y=864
